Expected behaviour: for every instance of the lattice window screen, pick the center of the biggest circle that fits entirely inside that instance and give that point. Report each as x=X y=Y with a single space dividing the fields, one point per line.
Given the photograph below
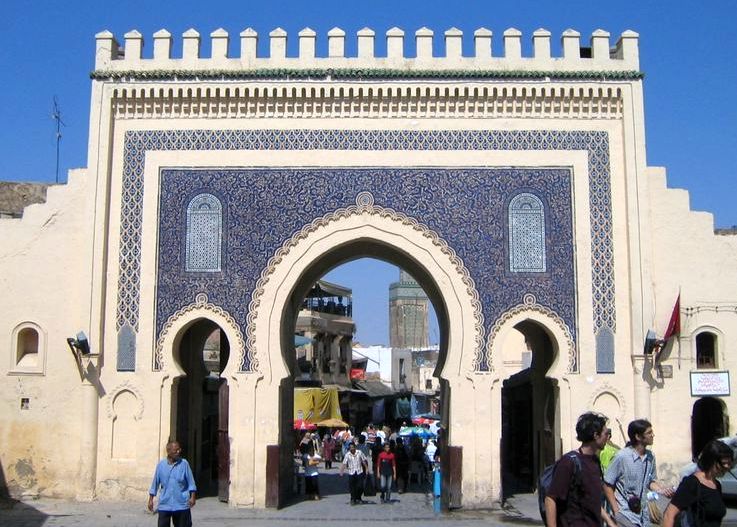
x=204 y=234
x=526 y=234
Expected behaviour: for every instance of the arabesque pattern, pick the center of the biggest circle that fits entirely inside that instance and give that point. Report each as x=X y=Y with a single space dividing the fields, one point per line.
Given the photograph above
x=595 y=143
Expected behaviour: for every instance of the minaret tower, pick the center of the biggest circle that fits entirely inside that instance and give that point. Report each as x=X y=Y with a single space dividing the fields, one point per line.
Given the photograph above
x=408 y=318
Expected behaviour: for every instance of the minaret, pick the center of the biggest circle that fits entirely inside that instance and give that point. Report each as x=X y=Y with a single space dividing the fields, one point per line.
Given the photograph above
x=408 y=308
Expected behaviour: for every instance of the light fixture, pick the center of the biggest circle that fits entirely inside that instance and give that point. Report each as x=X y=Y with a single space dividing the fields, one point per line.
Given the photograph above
x=651 y=341
x=79 y=345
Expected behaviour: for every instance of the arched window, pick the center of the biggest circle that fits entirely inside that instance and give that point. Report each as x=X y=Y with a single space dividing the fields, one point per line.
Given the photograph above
x=204 y=234
x=28 y=351
x=526 y=234
x=706 y=350
x=27 y=348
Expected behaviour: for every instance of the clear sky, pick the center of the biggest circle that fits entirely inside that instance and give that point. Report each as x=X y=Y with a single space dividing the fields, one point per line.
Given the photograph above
x=688 y=51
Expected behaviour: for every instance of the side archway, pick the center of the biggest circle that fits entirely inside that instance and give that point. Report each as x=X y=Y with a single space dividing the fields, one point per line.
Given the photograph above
x=531 y=351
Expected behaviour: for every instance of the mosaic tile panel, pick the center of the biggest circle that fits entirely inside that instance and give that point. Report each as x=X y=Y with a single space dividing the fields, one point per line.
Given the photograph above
x=204 y=234
x=595 y=143
x=526 y=234
x=466 y=207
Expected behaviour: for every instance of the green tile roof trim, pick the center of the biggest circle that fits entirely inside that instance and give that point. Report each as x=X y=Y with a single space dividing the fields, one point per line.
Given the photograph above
x=361 y=74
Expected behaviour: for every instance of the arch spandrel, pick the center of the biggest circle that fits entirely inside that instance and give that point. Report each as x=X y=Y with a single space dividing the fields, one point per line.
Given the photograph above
x=566 y=360
x=176 y=325
x=383 y=226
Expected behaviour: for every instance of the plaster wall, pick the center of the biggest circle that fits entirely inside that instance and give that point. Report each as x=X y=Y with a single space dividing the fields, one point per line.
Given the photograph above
x=44 y=279
x=688 y=258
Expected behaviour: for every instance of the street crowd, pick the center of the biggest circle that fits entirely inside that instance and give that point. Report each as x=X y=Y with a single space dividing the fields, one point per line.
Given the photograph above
x=376 y=458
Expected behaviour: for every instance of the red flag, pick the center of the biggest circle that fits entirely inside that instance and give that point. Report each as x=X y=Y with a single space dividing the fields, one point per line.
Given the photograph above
x=674 y=326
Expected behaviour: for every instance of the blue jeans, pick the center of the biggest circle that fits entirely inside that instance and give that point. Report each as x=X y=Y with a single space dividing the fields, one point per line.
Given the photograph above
x=386 y=486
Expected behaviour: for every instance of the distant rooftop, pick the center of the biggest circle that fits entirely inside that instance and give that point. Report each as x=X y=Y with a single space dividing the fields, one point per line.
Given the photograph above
x=14 y=197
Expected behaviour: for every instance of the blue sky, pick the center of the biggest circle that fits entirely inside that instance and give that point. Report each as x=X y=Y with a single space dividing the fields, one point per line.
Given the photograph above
x=688 y=51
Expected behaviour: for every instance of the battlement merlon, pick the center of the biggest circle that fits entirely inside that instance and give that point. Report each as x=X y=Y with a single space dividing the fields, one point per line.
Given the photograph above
x=598 y=56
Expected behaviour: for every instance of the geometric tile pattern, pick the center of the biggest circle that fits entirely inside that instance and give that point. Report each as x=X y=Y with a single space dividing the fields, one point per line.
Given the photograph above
x=464 y=206
x=526 y=234
x=204 y=234
x=595 y=143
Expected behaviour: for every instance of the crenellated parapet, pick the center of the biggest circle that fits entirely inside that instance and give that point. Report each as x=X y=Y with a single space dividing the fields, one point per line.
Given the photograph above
x=491 y=58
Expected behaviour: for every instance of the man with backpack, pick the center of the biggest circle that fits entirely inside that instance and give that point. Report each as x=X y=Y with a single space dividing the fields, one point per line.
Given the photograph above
x=573 y=495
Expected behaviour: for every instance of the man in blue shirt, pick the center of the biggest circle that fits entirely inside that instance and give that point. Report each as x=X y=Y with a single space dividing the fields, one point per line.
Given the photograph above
x=174 y=477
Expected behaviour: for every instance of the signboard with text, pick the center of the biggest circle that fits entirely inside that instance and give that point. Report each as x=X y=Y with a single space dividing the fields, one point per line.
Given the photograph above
x=709 y=383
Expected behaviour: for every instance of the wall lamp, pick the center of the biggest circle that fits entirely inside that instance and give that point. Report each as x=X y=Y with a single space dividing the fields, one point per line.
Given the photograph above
x=79 y=346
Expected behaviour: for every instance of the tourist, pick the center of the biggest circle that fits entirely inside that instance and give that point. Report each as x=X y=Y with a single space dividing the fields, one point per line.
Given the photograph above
x=699 y=495
x=356 y=463
x=574 y=497
x=386 y=470
x=631 y=474
x=173 y=477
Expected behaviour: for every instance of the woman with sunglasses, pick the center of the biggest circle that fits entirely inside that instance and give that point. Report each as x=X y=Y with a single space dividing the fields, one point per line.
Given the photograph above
x=699 y=496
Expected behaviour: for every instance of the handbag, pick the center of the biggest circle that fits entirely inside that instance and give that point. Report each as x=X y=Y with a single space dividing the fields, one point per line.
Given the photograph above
x=656 y=515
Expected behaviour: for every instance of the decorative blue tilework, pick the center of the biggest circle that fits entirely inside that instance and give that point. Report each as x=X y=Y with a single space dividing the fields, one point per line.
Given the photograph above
x=604 y=351
x=526 y=234
x=204 y=234
x=126 y=360
x=466 y=207
x=595 y=143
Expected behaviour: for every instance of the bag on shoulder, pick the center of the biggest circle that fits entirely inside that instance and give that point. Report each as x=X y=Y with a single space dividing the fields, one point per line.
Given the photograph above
x=546 y=479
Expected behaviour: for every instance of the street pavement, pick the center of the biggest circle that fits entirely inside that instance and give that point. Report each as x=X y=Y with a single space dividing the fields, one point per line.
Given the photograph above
x=414 y=508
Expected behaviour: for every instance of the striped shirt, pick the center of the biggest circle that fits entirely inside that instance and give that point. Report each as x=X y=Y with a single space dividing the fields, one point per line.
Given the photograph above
x=631 y=474
x=354 y=461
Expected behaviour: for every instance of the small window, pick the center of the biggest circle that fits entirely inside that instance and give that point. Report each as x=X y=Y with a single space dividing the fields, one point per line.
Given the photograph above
x=706 y=356
x=526 y=234
x=204 y=234
x=27 y=348
x=28 y=355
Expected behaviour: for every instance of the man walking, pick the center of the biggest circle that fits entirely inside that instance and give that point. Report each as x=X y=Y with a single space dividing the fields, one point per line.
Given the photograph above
x=174 y=477
x=574 y=497
x=356 y=464
x=629 y=476
x=386 y=469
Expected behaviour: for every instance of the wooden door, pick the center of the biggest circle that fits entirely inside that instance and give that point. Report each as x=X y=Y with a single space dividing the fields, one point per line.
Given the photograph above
x=223 y=443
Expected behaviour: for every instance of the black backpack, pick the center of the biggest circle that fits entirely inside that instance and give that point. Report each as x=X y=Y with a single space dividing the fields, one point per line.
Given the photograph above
x=546 y=479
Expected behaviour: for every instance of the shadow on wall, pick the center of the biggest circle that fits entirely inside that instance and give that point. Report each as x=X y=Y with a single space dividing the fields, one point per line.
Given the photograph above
x=14 y=511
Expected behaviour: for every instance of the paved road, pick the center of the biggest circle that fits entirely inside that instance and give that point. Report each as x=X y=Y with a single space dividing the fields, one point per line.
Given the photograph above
x=414 y=508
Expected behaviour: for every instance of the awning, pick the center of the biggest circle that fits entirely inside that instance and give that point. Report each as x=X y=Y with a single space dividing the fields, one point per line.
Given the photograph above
x=323 y=288
x=375 y=389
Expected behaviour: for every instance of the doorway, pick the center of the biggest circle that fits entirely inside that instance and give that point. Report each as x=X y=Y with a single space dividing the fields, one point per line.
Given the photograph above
x=530 y=416
x=200 y=407
x=358 y=406
x=709 y=420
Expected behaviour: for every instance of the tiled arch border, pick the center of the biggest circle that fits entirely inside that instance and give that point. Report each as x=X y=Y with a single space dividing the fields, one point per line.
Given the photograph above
x=595 y=143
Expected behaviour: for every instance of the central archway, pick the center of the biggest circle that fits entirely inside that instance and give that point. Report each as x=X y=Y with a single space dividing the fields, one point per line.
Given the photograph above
x=362 y=230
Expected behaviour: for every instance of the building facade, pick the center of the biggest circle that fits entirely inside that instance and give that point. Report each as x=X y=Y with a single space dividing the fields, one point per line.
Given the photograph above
x=514 y=189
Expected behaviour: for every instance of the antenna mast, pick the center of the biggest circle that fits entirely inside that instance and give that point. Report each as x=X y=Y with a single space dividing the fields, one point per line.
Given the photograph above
x=56 y=116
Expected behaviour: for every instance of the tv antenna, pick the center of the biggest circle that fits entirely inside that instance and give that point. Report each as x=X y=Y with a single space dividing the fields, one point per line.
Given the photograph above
x=56 y=116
